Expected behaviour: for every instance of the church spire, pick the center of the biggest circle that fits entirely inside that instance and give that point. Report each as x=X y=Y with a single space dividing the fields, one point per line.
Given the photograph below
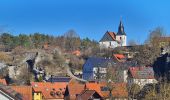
x=121 y=28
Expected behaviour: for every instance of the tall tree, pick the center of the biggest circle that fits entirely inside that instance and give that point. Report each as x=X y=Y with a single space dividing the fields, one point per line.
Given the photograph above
x=72 y=40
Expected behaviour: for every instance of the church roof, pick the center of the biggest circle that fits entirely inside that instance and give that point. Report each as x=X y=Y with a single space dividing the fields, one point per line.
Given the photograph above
x=108 y=36
x=121 y=29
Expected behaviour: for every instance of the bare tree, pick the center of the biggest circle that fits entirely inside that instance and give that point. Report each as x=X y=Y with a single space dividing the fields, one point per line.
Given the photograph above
x=132 y=43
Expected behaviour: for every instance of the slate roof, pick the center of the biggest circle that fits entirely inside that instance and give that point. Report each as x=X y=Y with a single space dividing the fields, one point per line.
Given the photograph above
x=121 y=29
x=108 y=36
x=96 y=62
x=59 y=79
x=142 y=72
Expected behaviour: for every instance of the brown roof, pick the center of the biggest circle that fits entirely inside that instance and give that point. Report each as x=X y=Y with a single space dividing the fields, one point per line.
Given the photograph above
x=25 y=91
x=75 y=88
x=119 y=89
x=86 y=94
x=97 y=87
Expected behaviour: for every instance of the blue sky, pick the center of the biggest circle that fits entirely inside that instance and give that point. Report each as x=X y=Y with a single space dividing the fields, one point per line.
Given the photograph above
x=89 y=18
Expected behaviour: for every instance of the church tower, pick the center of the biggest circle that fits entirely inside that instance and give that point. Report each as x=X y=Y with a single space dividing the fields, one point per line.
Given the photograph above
x=121 y=35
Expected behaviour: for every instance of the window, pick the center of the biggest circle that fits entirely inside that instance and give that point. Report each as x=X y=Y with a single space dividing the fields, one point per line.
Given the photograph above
x=110 y=43
x=104 y=88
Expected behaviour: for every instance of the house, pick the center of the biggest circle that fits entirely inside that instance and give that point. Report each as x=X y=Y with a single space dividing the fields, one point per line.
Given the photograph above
x=48 y=90
x=25 y=91
x=95 y=68
x=89 y=95
x=141 y=76
x=74 y=88
x=119 y=90
x=112 y=40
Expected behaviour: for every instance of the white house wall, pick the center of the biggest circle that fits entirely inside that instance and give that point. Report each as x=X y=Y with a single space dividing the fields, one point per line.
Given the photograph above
x=108 y=44
x=141 y=82
x=123 y=39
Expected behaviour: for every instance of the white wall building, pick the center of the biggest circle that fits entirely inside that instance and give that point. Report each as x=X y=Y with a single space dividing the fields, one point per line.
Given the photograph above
x=112 y=40
x=141 y=76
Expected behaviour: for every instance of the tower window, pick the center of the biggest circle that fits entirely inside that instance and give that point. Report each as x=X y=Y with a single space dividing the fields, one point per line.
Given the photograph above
x=120 y=38
x=110 y=43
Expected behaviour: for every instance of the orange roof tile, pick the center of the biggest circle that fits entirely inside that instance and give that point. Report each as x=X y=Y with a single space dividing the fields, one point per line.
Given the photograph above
x=76 y=52
x=119 y=57
x=97 y=87
x=113 y=35
x=75 y=88
x=25 y=91
x=3 y=81
x=119 y=89
x=50 y=90
x=87 y=94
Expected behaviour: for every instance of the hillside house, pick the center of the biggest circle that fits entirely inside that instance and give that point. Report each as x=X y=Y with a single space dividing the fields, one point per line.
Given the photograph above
x=73 y=89
x=119 y=91
x=95 y=68
x=141 y=76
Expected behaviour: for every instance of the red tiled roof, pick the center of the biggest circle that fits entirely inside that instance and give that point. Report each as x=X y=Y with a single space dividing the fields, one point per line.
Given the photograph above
x=113 y=35
x=119 y=89
x=48 y=89
x=25 y=91
x=142 y=72
x=96 y=86
x=74 y=89
x=86 y=94
x=119 y=57
x=3 y=81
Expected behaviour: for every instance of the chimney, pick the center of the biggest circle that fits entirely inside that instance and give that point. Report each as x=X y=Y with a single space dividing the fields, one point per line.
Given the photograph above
x=51 y=78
